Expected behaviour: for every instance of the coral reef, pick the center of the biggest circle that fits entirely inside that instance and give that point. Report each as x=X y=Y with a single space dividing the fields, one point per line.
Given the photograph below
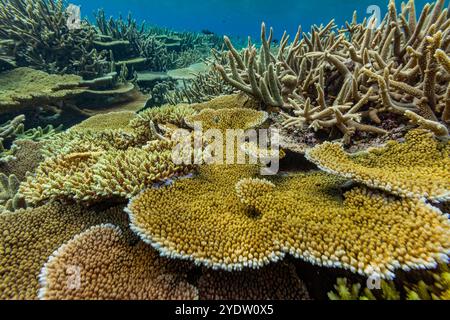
x=143 y=274
x=30 y=236
x=418 y=167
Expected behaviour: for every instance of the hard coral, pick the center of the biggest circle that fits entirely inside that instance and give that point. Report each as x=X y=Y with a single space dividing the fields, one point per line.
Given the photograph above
x=343 y=78
x=418 y=167
x=275 y=282
x=101 y=175
x=111 y=268
x=203 y=220
x=29 y=237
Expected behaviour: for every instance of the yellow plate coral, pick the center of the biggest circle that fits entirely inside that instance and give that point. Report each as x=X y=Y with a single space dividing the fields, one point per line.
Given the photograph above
x=219 y=220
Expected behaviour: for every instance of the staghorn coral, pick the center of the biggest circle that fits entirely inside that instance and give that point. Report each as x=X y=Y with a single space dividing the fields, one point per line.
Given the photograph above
x=274 y=282
x=10 y=200
x=42 y=38
x=39 y=133
x=98 y=254
x=29 y=237
x=418 y=167
x=9 y=132
x=343 y=79
x=203 y=220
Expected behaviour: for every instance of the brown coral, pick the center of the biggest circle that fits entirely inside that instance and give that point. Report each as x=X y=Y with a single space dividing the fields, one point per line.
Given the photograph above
x=418 y=167
x=29 y=237
x=275 y=282
x=106 y=267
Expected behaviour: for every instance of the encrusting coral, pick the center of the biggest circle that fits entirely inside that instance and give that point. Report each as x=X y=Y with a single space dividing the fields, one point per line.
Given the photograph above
x=204 y=220
x=275 y=282
x=346 y=79
x=142 y=275
x=30 y=236
x=418 y=167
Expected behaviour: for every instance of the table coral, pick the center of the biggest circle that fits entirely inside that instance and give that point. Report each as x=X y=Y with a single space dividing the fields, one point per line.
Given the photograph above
x=418 y=167
x=203 y=220
x=98 y=254
x=100 y=175
x=30 y=236
x=111 y=120
x=224 y=119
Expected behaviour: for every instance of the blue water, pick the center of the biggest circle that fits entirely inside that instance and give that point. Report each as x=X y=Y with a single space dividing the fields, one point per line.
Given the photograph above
x=236 y=17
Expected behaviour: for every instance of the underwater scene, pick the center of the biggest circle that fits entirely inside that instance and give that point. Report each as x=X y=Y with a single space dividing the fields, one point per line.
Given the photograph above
x=224 y=150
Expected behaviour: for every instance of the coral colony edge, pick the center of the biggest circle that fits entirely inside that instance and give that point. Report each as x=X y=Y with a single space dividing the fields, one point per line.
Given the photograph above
x=140 y=162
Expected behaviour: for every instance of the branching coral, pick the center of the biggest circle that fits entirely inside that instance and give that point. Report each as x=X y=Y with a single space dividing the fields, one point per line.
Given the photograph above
x=98 y=175
x=203 y=220
x=345 y=78
x=10 y=200
x=275 y=282
x=8 y=132
x=418 y=167
x=29 y=237
x=98 y=254
x=435 y=286
x=43 y=39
